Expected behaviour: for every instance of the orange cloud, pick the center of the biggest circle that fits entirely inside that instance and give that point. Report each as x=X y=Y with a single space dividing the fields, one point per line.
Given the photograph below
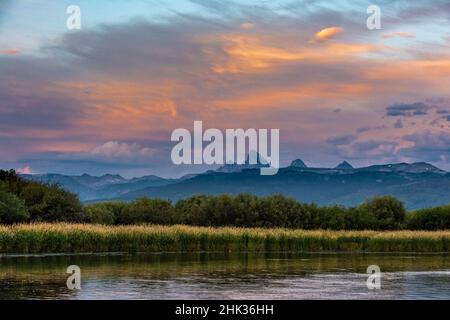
x=114 y=105
x=10 y=52
x=54 y=145
x=298 y=95
x=327 y=34
x=406 y=74
x=252 y=54
x=246 y=53
x=399 y=34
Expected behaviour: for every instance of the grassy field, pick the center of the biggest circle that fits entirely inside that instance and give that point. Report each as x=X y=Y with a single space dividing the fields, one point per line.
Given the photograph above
x=79 y=238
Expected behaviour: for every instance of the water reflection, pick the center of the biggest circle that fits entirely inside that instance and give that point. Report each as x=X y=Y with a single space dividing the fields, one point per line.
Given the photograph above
x=226 y=276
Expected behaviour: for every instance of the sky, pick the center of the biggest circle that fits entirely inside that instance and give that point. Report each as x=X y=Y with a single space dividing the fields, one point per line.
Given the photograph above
x=106 y=98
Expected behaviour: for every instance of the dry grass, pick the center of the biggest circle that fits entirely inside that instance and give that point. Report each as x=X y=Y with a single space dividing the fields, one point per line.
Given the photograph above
x=52 y=238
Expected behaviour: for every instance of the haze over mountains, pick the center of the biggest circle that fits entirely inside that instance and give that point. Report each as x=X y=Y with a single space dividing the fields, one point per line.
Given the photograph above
x=418 y=184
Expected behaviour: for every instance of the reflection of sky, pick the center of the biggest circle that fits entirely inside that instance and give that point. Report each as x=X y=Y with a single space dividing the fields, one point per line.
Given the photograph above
x=153 y=66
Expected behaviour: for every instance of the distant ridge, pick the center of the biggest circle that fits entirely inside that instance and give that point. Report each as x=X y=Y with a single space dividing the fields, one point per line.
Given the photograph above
x=90 y=187
x=418 y=184
x=416 y=167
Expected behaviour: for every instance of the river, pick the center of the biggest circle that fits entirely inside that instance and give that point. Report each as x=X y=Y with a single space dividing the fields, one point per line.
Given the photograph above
x=226 y=276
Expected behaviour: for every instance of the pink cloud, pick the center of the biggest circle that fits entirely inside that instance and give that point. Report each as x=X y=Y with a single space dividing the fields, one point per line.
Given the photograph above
x=24 y=170
x=399 y=34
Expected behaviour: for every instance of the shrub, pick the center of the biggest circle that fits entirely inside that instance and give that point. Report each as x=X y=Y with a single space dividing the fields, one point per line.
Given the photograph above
x=12 y=209
x=358 y=219
x=33 y=194
x=277 y=210
x=106 y=213
x=44 y=202
x=59 y=205
x=145 y=210
x=51 y=203
x=328 y=218
x=12 y=181
x=388 y=212
x=247 y=210
x=437 y=218
x=194 y=211
x=243 y=210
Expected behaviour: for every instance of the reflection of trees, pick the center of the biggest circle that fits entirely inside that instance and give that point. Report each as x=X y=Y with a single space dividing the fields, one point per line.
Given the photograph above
x=12 y=287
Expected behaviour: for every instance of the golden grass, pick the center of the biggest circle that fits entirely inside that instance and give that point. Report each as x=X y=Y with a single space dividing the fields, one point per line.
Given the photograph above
x=60 y=238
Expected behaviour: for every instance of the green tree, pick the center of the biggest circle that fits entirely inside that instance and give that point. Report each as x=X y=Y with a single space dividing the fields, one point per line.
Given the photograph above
x=106 y=213
x=12 y=208
x=55 y=205
x=388 y=211
x=193 y=211
x=145 y=210
x=437 y=218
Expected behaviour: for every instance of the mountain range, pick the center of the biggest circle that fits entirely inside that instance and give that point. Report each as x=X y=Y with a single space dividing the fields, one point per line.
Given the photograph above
x=419 y=184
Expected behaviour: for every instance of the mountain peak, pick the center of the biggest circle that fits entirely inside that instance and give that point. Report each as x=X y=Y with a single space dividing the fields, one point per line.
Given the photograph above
x=344 y=165
x=298 y=163
x=234 y=167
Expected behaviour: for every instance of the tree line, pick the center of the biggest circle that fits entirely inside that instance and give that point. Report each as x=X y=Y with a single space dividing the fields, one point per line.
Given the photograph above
x=29 y=201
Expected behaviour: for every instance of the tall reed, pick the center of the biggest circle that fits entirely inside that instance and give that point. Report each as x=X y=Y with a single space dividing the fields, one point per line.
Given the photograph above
x=74 y=238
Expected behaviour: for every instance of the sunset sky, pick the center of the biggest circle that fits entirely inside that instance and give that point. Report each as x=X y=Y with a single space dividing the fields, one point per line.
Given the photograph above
x=105 y=99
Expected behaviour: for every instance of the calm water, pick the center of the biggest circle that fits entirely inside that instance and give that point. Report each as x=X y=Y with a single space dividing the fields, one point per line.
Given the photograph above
x=219 y=276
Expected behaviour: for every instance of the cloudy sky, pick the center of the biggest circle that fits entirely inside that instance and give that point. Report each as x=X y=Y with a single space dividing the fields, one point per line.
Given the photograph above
x=105 y=99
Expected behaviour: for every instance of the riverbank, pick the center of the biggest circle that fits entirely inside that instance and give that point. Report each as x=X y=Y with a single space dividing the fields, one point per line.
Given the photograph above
x=80 y=238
